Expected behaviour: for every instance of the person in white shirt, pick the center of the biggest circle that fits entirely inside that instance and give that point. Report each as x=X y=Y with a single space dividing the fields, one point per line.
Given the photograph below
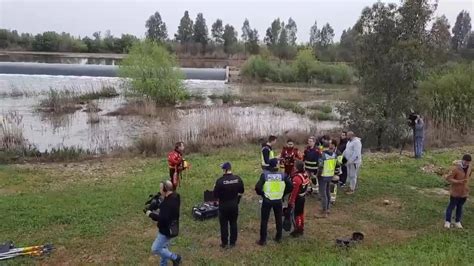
x=353 y=158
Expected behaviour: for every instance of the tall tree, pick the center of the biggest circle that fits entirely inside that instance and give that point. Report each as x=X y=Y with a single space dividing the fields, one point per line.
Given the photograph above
x=156 y=28
x=282 y=45
x=470 y=41
x=291 y=29
x=200 y=32
x=326 y=36
x=229 y=37
x=185 y=29
x=246 y=30
x=440 y=38
x=390 y=58
x=461 y=30
x=217 y=31
x=348 y=45
x=314 y=35
x=273 y=34
x=250 y=38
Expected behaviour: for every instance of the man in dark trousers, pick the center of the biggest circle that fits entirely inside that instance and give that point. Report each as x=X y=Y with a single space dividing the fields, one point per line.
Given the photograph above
x=267 y=152
x=272 y=186
x=228 y=189
x=341 y=147
x=168 y=222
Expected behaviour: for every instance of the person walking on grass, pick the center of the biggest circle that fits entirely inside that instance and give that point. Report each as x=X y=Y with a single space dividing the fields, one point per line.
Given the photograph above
x=168 y=224
x=459 y=191
x=228 y=189
x=272 y=186
x=353 y=158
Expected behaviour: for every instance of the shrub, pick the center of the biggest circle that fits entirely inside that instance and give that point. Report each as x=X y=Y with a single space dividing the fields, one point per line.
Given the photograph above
x=256 y=67
x=153 y=72
x=303 y=65
x=321 y=116
x=331 y=73
x=294 y=107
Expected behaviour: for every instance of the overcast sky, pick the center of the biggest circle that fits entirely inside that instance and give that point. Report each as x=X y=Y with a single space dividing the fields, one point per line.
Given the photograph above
x=128 y=16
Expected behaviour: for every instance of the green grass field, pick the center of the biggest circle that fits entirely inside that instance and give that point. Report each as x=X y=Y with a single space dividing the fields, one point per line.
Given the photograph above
x=92 y=212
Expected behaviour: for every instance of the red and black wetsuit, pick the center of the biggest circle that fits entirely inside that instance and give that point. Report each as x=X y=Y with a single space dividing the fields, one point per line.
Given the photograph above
x=175 y=164
x=288 y=157
x=301 y=184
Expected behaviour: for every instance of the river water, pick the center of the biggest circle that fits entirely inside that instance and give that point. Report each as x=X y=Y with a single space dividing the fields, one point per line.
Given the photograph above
x=21 y=94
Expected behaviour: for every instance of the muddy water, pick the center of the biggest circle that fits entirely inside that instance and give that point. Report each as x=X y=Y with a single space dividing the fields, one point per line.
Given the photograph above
x=22 y=94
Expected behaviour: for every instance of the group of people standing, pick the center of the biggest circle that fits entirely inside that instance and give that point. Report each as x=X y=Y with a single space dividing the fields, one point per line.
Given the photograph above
x=324 y=165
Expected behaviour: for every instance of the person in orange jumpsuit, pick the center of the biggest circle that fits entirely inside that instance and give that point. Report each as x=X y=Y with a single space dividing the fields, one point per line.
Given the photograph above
x=176 y=163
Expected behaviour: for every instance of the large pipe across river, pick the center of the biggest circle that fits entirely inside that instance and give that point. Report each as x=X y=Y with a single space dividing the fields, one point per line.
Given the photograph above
x=98 y=70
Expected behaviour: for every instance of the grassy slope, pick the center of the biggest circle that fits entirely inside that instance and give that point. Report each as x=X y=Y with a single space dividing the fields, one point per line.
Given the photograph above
x=96 y=217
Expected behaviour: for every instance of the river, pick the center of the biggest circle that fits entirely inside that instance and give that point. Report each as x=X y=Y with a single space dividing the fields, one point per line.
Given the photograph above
x=20 y=96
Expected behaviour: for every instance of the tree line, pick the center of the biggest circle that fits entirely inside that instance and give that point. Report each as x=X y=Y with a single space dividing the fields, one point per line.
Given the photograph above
x=280 y=39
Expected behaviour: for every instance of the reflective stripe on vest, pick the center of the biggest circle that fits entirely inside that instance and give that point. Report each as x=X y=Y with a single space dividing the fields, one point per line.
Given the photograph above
x=311 y=165
x=274 y=186
x=329 y=166
x=270 y=156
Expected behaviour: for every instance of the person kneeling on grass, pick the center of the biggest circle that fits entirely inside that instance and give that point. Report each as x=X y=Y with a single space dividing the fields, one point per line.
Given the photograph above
x=459 y=180
x=168 y=224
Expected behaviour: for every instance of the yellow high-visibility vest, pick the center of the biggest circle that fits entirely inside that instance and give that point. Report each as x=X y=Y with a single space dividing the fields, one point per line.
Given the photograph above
x=271 y=156
x=329 y=165
x=274 y=186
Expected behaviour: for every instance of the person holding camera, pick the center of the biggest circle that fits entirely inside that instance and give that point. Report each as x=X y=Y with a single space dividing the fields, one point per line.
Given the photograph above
x=228 y=189
x=168 y=223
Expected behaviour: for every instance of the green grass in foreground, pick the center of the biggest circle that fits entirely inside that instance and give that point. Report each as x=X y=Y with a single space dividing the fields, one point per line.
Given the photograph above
x=98 y=219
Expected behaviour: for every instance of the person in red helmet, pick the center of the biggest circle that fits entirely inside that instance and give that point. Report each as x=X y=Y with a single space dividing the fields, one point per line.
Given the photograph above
x=301 y=182
x=288 y=156
x=176 y=163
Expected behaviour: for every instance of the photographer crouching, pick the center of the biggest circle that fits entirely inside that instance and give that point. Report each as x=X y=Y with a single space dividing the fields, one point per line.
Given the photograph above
x=164 y=209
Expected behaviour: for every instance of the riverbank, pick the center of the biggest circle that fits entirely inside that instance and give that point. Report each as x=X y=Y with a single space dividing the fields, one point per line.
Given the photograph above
x=91 y=211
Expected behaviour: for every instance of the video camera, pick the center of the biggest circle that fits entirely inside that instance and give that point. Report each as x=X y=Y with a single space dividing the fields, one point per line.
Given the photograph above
x=153 y=203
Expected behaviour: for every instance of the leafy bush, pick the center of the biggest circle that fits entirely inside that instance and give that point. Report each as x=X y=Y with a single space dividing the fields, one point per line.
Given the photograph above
x=153 y=73
x=331 y=73
x=305 y=68
x=303 y=65
x=256 y=67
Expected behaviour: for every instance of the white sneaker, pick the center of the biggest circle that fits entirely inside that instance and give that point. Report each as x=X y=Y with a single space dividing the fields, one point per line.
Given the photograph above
x=458 y=225
x=447 y=225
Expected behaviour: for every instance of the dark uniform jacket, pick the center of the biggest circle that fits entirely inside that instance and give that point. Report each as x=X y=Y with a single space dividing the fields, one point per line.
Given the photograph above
x=227 y=190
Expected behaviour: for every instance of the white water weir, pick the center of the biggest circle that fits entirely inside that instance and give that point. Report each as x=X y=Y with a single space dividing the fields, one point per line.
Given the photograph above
x=99 y=70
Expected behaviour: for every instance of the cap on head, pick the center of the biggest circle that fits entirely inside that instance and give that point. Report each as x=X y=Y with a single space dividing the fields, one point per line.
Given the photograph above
x=467 y=158
x=226 y=166
x=273 y=163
